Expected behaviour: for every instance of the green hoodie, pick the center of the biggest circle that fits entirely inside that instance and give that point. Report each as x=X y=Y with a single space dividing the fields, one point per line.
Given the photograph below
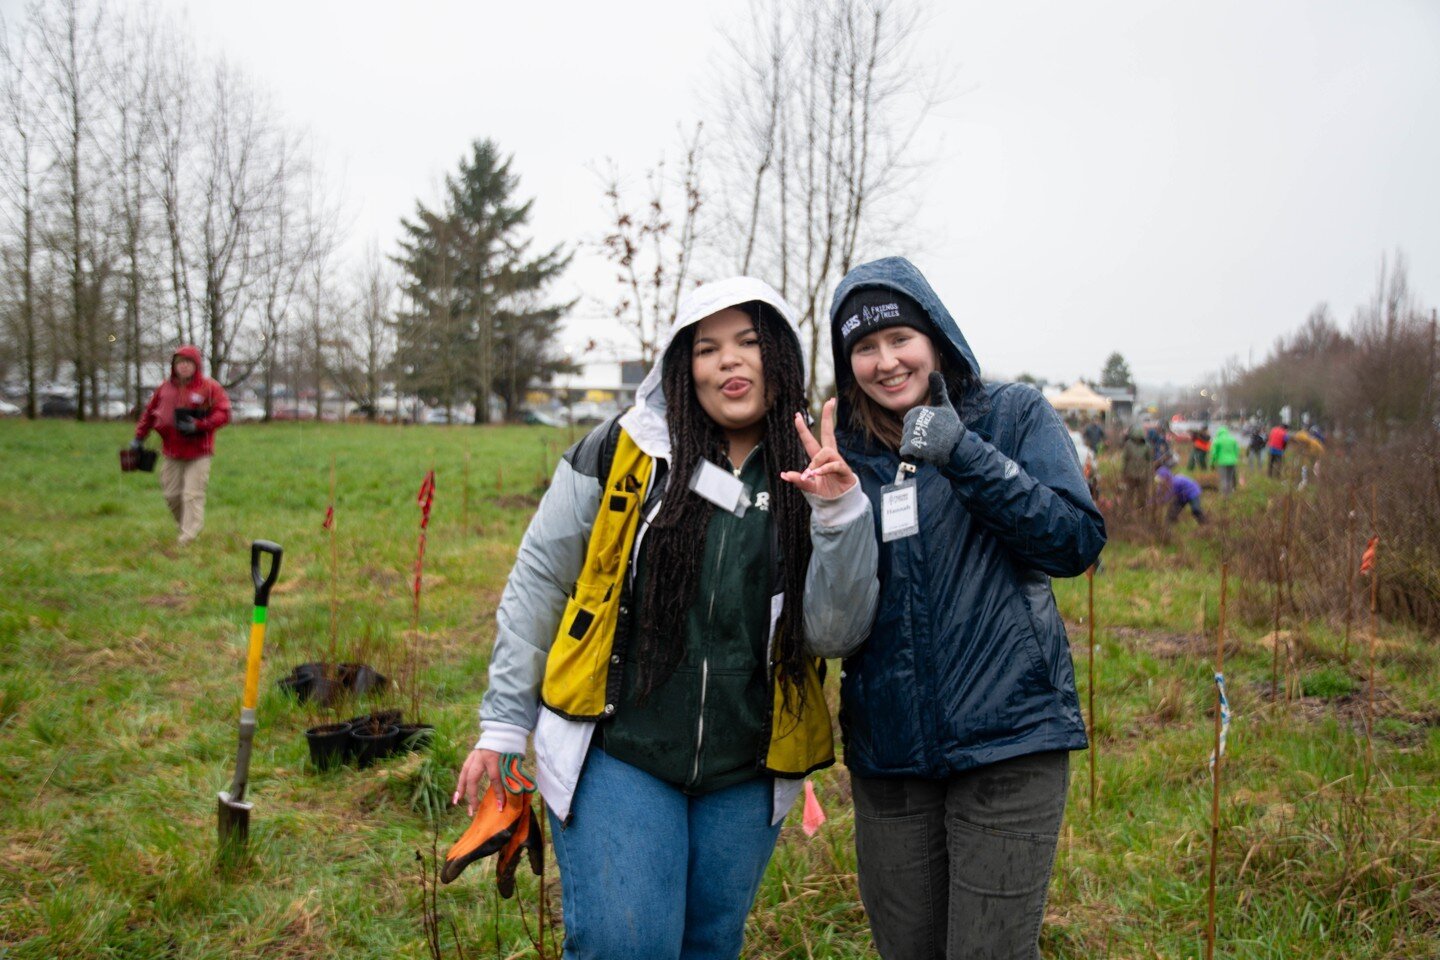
x=1224 y=450
x=704 y=727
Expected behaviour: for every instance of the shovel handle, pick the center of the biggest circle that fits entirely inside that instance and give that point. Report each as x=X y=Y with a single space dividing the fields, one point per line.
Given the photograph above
x=263 y=582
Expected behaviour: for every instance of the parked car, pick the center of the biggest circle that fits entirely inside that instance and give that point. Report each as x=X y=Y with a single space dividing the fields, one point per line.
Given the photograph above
x=1183 y=430
x=247 y=413
x=56 y=405
x=294 y=411
x=542 y=418
x=8 y=409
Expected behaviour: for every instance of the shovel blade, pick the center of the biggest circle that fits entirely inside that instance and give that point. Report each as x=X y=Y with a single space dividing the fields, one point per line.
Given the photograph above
x=234 y=820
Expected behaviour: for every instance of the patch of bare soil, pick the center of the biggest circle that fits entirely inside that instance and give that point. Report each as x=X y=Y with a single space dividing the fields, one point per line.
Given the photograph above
x=1173 y=646
x=1350 y=709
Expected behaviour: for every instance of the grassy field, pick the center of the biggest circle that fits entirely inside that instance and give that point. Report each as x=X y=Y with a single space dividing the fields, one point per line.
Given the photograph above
x=121 y=661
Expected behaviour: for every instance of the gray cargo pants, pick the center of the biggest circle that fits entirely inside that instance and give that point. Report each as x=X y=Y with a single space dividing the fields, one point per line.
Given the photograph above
x=958 y=869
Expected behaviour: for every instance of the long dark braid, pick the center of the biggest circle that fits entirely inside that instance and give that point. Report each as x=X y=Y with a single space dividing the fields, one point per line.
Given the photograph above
x=675 y=542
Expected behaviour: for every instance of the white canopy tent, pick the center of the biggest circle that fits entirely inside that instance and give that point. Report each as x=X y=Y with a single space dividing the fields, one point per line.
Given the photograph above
x=1078 y=398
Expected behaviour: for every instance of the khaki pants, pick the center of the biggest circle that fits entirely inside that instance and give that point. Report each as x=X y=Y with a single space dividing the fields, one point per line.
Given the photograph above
x=184 y=483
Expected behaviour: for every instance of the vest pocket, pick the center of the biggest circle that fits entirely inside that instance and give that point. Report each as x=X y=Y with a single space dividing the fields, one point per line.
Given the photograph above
x=579 y=660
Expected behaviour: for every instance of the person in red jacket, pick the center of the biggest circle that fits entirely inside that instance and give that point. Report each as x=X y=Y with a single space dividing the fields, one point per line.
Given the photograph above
x=185 y=410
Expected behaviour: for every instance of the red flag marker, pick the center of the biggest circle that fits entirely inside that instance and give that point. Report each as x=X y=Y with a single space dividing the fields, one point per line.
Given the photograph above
x=1367 y=559
x=814 y=815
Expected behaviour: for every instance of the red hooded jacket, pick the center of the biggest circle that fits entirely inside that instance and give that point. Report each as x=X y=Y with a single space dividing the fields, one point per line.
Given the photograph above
x=200 y=393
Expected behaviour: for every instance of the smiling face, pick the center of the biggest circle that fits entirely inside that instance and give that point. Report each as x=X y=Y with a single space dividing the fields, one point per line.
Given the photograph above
x=728 y=373
x=893 y=366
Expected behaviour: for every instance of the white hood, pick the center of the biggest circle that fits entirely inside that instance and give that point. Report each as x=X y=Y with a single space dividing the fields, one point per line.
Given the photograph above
x=645 y=421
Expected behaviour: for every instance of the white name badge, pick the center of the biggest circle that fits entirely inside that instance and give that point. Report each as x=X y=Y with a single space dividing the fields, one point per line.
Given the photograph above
x=720 y=487
x=900 y=506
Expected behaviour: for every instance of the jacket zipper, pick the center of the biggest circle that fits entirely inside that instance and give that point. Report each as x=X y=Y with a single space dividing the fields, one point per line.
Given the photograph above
x=705 y=667
x=705 y=662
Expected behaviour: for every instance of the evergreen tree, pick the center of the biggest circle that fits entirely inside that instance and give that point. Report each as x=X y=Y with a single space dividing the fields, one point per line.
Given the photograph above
x=1116 y=372
x=475 y=322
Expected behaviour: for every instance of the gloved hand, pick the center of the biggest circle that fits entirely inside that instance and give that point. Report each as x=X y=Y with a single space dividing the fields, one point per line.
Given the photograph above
x=186 y=425
x=137 y=444
x=931 y=433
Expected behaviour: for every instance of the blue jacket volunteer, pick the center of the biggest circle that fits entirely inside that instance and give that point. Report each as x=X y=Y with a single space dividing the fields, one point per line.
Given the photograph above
x=960 y=707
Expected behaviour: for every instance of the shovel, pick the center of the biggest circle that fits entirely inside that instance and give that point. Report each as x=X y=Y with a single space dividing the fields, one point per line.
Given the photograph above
x=234 y=812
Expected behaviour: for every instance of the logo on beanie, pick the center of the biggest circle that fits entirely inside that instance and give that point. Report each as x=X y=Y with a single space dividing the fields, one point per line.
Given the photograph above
x=849 y=326
x=880 y=311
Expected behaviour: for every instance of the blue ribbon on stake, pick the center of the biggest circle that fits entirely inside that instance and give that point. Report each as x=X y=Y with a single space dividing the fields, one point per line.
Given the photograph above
x=1224 y=717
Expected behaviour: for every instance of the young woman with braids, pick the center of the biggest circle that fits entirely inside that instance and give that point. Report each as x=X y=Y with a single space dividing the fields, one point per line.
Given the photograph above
x=662 y=634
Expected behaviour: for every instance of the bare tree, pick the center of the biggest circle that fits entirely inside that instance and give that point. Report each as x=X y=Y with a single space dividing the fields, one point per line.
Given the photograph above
x=21 y=186
x=222 y=172
x=70 y=38
x=133 y=81
x=654 y=258
x=296 y=230
x=365 y=345
x=823 y=112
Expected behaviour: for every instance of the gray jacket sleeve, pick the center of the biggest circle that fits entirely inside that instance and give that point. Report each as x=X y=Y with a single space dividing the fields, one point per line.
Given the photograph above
x=841 y=585
x=550 y=557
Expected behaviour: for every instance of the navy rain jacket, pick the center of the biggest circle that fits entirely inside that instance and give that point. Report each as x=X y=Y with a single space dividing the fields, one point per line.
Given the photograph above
x=968 y=662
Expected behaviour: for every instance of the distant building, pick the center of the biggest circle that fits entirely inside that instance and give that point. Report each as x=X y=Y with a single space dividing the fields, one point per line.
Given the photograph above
x=1122 y=403
x=609 y=382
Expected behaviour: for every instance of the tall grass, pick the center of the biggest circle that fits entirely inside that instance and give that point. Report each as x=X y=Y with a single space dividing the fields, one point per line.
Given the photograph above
x=121 y=659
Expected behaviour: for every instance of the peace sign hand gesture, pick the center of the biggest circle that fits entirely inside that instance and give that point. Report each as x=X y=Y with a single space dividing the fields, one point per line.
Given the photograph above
x=828 y=475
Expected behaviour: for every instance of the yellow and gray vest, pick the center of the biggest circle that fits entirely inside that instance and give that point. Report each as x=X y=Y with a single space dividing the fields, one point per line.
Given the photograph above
x=583 y=671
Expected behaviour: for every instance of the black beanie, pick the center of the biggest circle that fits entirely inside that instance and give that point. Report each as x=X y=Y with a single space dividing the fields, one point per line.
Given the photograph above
x=874 y=308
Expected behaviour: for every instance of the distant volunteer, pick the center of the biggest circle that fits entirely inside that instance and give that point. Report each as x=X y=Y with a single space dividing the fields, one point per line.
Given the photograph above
x=1177 y=492
x=662 y=632
x=185 y=410
x=1225 y=455
x=959 y=710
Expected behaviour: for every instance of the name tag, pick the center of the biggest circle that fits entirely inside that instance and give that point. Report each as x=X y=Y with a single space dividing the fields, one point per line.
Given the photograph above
x=900 y=506
x=720 y=487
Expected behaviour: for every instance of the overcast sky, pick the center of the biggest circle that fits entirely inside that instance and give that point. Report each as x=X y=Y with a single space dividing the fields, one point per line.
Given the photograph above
x=1179 y=181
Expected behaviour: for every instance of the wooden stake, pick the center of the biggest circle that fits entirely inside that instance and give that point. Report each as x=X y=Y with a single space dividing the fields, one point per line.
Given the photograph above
x=333 y=652
x=465 y=495
x=1349 y=574
x=1370 y=640
x=1215 y=780
x=1285 y=583
x=1094 y=747
x=1275 y=636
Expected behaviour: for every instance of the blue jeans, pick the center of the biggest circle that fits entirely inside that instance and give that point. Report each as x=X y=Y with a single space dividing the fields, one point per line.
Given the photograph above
x=649 y=873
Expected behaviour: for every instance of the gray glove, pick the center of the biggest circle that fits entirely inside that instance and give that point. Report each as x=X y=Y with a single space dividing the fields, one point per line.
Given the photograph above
x=931 y=433
x=137 y=444
x=186 y=425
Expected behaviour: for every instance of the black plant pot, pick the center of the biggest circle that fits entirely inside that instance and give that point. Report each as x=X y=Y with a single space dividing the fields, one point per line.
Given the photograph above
x=373 y=742
x=361 y=678
x=414 y=737
x=383 y=718
x=329 y=745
